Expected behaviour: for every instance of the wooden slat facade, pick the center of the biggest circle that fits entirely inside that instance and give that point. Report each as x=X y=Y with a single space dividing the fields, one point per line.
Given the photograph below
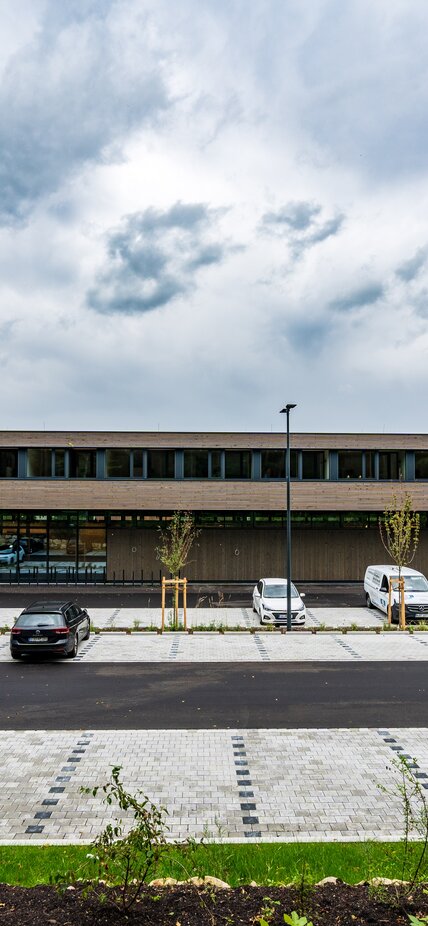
x=212 y=440
x=234 y=554
x=202 y=495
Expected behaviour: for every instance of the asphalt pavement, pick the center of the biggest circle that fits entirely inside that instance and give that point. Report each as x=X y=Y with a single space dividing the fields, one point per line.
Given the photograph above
x=318 y=595
x=52 y=696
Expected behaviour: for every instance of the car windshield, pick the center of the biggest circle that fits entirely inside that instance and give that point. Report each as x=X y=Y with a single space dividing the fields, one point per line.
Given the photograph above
x=415 y=584
x=279 y=591
x=40 y=620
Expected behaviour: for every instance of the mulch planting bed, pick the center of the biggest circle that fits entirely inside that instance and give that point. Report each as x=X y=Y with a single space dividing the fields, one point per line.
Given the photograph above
x=187 y=905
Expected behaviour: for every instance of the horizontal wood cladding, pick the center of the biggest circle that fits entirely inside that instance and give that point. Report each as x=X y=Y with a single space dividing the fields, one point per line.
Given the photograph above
x=215 y=440
x=203 y=495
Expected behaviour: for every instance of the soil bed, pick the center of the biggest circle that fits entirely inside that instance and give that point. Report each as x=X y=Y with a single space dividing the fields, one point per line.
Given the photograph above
x=328 y=905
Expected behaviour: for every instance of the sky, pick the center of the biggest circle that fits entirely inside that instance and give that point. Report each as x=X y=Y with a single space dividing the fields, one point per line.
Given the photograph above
x=211 y=208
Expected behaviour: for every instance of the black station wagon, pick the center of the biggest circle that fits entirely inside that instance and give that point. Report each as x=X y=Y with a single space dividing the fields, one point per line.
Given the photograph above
x=49 y=628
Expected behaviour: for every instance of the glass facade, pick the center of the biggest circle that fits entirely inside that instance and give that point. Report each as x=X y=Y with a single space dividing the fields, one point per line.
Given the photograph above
x=421 y=464
x=237 y=464
x=350 y=464
x=197 y=463
x=39 y=462
x=391 y=465
x=160 y=464
x=82 y=464
x=273 y=464
x=314 y=464
x=8 y=464
x=118 y=464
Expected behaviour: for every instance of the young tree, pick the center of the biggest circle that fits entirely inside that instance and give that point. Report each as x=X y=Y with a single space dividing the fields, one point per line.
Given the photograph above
x=175 y=544
x=399 y=533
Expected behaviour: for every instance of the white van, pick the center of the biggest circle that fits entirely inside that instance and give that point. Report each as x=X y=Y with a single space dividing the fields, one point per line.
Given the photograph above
x=376 y=587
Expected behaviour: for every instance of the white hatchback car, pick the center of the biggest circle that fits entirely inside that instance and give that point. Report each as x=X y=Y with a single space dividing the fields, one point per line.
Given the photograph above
x=270 y=602
x=9 y=554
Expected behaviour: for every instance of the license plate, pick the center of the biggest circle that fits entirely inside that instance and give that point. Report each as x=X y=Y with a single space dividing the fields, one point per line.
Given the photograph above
x=282 y=617
x=37 y=639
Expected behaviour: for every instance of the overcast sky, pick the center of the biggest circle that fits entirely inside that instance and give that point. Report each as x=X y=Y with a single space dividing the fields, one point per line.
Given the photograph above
x=210 y=208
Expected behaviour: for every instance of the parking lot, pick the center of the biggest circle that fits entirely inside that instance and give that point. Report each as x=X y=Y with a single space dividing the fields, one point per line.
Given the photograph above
x=234 y=784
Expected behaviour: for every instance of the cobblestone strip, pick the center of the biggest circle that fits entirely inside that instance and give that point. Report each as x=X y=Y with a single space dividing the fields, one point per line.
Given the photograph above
x=349 y=649
x=264 y=655
x=244 y=783
x=110 y=620
x=58 y=788
x=312 y=617
x=418 y=640
x=88 y=646
x=247 y=619
x=400 y=752
x=173 y=652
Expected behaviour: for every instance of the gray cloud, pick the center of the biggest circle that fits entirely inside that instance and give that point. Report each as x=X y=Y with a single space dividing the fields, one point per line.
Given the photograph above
x=365 y=87
x=309 y=336
x=301 y=224
x=366 y=295
x=70 y=98
x=153 y=258
x=410 y=268
x=295 y=215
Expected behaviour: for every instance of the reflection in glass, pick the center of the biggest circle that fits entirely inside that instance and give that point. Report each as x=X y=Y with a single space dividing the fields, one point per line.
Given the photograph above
x=39 y=462
x=59 y=464
x=391 y=464
x=350 y=464
x=137 y=471
x=237 y=464
x=118 y=463
x=160 y=464
x=82 y=464
x=314 y=464
x=421 y=464
x=8 y=464
x=196 y=464
x=273 y=464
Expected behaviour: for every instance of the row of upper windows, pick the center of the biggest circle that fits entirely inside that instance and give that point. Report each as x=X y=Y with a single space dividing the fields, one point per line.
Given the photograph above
x=38 y=462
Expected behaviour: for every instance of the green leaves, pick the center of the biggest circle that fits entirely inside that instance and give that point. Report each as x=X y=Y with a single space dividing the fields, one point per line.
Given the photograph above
x=123 y=855
x=176 y=541
x=293 y=919
x=399 y=530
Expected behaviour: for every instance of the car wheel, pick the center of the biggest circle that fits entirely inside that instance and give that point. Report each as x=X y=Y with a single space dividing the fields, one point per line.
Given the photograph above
x=369 y=603
x=15 y=655
x=88 y=632
x=73 y=652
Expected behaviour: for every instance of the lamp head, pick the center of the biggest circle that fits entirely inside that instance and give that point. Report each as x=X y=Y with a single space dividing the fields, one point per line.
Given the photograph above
x=287 y=408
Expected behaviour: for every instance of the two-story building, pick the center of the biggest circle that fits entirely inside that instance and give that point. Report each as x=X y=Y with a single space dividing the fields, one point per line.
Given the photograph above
x=87 y=506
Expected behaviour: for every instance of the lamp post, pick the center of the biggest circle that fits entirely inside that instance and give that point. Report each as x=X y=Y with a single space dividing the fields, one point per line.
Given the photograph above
x=287 y=410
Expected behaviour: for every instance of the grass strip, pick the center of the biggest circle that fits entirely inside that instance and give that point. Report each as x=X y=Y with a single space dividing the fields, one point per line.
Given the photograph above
x=265 y=863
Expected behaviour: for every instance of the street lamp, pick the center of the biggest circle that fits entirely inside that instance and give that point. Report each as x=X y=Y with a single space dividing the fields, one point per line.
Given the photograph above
x=287 y=410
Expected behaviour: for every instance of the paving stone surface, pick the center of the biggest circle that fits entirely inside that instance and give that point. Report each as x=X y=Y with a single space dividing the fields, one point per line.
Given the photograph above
x=238 y=646
x=212 y=618
x=238 y=785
